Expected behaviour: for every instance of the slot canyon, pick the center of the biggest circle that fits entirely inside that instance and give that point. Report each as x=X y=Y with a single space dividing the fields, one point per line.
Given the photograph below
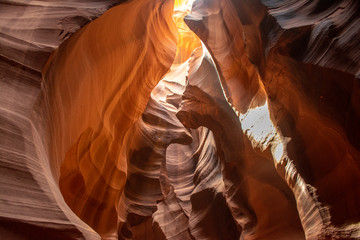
x=180 y=119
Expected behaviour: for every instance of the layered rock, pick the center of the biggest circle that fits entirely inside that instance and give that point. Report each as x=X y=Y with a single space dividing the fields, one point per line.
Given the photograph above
x=253 y=189
x=31 y=204
x=96 y=86
x=272 y=49
x=57 y=132
x=250 y=134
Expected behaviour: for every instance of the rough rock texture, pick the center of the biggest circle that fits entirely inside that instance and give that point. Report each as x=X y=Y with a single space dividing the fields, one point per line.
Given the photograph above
x=119 y=122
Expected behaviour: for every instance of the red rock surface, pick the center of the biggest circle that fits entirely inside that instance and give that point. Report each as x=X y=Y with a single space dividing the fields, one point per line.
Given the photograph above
x=131 y=120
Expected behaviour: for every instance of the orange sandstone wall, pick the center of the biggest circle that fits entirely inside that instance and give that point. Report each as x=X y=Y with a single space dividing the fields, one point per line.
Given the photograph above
x=298 y=54
x=117 y=122
x=95 y=86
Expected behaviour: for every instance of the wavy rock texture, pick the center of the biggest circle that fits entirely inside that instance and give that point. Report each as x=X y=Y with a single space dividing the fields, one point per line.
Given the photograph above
x=118 y=122
x=181 y=167
x=31 y=204
x=31 y=155
x=97 y=85
x=279 y=41
x=251 y=184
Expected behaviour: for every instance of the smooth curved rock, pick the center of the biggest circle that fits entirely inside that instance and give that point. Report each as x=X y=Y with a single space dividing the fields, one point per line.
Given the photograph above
x=278 y=40
x=251 y=133
x=250 y=180
x=31 y=204
x=96 y=85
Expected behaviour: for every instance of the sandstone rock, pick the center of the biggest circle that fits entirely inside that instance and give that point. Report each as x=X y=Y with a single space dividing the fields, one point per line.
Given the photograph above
x=271 y=49
x=119 y=122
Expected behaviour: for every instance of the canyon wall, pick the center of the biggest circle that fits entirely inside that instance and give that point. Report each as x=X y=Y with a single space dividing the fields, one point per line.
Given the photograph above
x=31 y=204
x=217 y=119
x=46 y=94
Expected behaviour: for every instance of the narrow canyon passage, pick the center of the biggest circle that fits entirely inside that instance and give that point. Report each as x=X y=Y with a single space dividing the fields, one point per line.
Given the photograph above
x=180 y=119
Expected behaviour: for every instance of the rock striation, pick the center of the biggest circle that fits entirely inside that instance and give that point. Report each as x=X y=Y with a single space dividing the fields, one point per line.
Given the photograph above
x=39 y=113
x=205 y=119
x=31 y=204
x=95 y=86
x=272 y=56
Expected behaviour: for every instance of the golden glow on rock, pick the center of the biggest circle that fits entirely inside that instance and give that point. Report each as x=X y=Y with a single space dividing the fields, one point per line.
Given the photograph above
x=97 y=84
x=183 y=5
x=249 y=101
x=187 y=39
x=90 y=146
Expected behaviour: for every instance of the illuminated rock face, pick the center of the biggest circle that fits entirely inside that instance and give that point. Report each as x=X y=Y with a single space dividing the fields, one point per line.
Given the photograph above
x=31 y=204
x=129 y=125
x=284 y=43
x=119 y=58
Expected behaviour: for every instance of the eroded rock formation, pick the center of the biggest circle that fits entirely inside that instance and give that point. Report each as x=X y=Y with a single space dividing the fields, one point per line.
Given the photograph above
x=217 y=119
